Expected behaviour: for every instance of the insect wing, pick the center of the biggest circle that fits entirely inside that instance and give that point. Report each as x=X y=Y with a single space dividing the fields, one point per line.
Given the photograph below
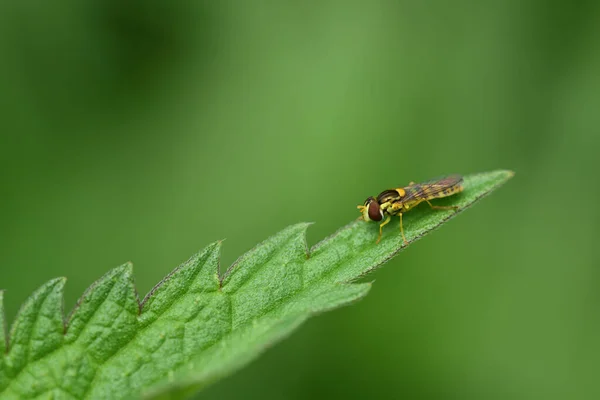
x=432 y=188
x=449 y=180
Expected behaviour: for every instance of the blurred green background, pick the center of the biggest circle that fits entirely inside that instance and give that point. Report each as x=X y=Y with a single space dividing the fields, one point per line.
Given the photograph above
x=143 y=130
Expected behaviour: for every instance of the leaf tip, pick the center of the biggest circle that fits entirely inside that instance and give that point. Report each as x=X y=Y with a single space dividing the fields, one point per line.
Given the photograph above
x=299 y=228
x=123 y=270
x=212 y=251
x=508 y=173
x=55 y=284
x=52 y=289
x=215 y=246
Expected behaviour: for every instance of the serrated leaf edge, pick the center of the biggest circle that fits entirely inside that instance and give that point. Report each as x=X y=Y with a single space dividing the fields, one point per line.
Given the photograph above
x=46 y=287
x=222 y=277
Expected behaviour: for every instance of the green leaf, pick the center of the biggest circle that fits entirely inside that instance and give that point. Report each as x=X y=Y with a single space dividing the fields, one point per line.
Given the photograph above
x=196 y=326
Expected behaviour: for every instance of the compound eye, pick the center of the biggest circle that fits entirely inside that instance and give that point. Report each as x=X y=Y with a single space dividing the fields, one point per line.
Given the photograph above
x=374 y=211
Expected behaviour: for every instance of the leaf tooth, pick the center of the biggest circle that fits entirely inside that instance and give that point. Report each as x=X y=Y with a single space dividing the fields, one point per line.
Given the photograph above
x=39 y=326
x=199 y=274
x=245 y=266
x=106 y=316
x=95 y=292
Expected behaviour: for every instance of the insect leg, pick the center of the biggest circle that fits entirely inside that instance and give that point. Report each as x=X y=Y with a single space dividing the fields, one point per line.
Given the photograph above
x=381 y=227
x=402 y=230
x=442 y=207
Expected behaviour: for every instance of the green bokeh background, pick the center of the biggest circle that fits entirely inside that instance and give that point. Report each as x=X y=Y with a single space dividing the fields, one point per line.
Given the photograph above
x=141 y=131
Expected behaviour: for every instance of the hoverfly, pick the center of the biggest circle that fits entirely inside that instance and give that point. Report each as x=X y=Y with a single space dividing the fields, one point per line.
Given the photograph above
x=398 y=201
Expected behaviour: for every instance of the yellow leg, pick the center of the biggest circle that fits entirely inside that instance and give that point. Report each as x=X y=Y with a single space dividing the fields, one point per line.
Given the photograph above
x=402 y=230
x=441 y=207
x=381 y=227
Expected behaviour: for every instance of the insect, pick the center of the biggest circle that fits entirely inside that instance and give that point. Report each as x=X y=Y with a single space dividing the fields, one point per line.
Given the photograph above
x=398 y=201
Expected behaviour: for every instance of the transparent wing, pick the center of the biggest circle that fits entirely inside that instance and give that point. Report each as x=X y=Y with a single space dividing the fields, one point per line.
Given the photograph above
x=439 y=187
